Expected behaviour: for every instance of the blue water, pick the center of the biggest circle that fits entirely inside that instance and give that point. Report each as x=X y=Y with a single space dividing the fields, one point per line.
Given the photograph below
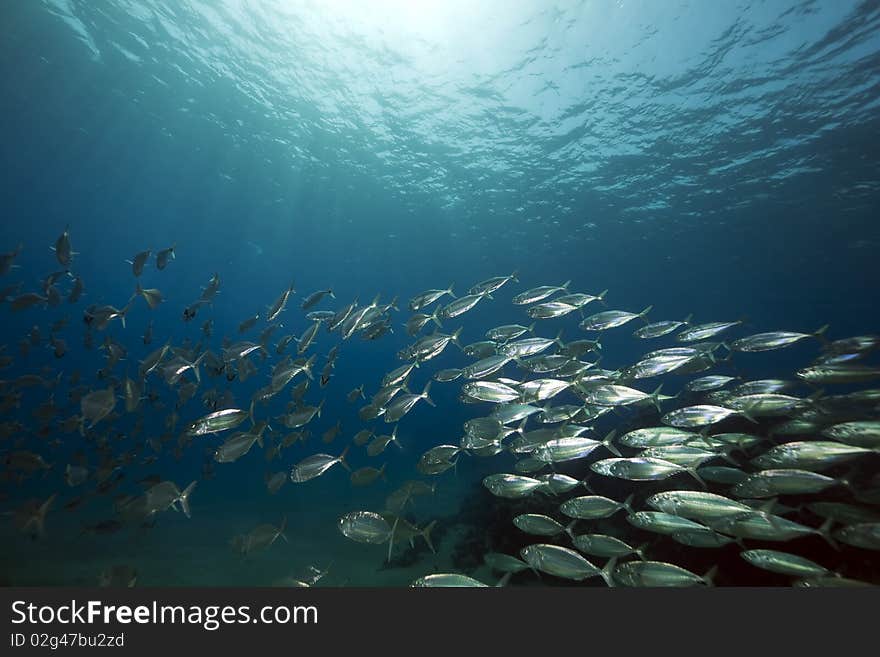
x=718 y=159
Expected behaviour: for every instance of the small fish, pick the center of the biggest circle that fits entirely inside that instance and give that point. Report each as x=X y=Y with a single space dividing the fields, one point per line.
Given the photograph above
x=260 y=538
x=859 y=433
x=352 y=396
x=228 y=418
x=428 y=297
x=62 y=248
x=7 y=260
x=137 y=263
x=460 y=306
x=490 y=285
x=152 y=296
x=365 y=527
x=550 y=309
x=705 y=331
x=784 y=481
x=658 y=573
x=315 y=298
x=784 y=563
x=774 y=340
x=611 y=319
x=641 y=469
x=446 y=375
x=275 y=481
x=564 y=562
x=539 y=293
x=490 y=391
x=658 y=329
x=511 y=486
x=594 y=507
x=164 y=256
x=602 y=545
x=508 y=332
x=248 y=323
x=699 y=416
x=279 y=304
x=453 y=580
x=316 y=465
x=403 y=404
x=368 y=475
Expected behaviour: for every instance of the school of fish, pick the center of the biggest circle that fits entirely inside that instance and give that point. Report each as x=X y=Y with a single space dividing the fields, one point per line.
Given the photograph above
x=762 y=465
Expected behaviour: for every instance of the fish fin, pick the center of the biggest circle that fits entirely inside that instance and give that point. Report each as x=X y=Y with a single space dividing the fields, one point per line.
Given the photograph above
x=627 y=504
x=645 y=312
x=640 y=551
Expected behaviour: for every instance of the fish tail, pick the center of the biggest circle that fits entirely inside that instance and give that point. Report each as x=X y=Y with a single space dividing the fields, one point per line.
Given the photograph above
x=747 y=414
x=558 y=339
x=394 y=438
x=282 y=527
x=627 y=504
x=342 y=460
x=601 y=297
x=425 y=394
x=391 y=537
x=609 y=444
x=184 y=498
x=655 y=398
x=504 y=580
x=607 y=572
x=709 y=577
x=426 y=534
x=693 y=472
x=825 y=532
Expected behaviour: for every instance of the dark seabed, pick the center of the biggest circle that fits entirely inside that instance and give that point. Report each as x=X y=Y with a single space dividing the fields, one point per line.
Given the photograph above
x=714 y=161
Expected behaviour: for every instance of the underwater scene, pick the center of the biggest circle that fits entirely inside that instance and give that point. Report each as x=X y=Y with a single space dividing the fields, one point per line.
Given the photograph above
x=389 y=293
